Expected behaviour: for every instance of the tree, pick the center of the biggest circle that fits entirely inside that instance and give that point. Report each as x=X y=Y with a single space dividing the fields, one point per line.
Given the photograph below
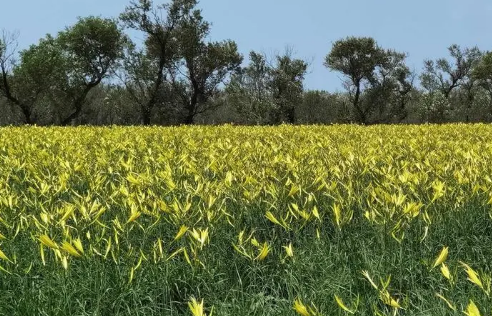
x=287 y=86
x=482 y=74
x=249 y=90
x=322 y=107
x=8 y=44
x=443 y=76
x=367 y=66
x=63 y=68
x=26 y=83
x=109 y=104
x=90 y=49
x=146 y=70
x=389 y=90
x=268 y=92
x=202 y=66
x=37 y=77
x=7 y=62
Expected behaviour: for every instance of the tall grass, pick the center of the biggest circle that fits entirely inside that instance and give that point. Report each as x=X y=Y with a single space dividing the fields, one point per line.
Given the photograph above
x=167 y=215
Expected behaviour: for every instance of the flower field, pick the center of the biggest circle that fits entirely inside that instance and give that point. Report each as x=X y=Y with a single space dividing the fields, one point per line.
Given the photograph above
x=308 y=220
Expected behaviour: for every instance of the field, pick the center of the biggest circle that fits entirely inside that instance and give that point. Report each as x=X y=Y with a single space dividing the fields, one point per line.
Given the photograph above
x=382 y=220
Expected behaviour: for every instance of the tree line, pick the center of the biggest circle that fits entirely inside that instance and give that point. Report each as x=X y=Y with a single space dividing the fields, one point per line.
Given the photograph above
x=93 y=73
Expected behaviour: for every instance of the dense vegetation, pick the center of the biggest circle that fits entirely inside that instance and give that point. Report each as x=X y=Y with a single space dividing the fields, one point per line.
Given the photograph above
x=381 y=220
x=92 y=73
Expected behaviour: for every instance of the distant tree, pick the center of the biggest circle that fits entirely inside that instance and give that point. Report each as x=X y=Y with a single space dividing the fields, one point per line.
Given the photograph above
x=444 y=76
x=268 y=92
x=8 y=89
x=90 y=48
x=38 y=76
x=138 y=78
x=109 y=104
x=322 y=107
x=202 y=66
x=249 y=91
x=146 y=71
x=6 y=115
x=377 y=72
x=27 y=81
x=389 y=91
x=287 y=78
x=482 y=74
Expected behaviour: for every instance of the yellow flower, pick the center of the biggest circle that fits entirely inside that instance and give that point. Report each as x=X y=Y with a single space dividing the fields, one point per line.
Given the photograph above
x=342 y=305
x=445 y=271
x=3 y=256
x=64 y=262
x=196 y=308
x=263 y=252
x=368 y=277
x=133 y=216
x=70 y=249
x=473 y=276
x=450 y=305
x=78 y=244
x=300 y=308
x=472 y=309
x=441 y=258
x=289 y=250
x=388 y=300
x=45 y=240
x=182 y=230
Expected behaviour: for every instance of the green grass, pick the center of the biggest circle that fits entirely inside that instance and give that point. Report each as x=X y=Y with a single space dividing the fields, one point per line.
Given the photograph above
x=230 y=283
x=236 y=286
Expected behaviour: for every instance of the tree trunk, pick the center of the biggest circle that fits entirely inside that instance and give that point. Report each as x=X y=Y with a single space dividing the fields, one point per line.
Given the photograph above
x=191 y=108
x=469 y=101
x=146 y=112
x=79 y=102
x=147 y=109
x=403 y=112
x=189 y=119
x=25 y=109
x=27 y=115
x=490 y=104
x=68 y=120
x=291 y=115
x=361 y=119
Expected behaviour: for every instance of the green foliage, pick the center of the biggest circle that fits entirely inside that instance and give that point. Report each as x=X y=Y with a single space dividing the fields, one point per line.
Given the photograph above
x=267 y=93
x=37 y=76
x=7 y=66
x=202 y=66
x=482 y=73
x=356 y=57
x=322 y=107
x=176 y=75
x=444 y=76
x=378 y=81
x=62 y=70
x=96 y=221
x=287 y=87
x=91 y=48
x=249 y=91
x=453 y=80
x=147 y=71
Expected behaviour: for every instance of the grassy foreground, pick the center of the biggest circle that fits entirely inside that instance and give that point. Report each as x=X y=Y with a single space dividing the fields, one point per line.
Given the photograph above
x=392 y=220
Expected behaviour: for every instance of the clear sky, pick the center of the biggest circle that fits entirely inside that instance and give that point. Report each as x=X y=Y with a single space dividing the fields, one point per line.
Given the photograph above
x=421 y=28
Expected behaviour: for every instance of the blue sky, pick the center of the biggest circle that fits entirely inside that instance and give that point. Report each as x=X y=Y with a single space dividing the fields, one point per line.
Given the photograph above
x=423 y=29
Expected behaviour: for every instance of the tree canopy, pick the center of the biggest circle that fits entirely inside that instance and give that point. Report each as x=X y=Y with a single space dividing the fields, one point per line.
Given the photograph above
x=172 y=72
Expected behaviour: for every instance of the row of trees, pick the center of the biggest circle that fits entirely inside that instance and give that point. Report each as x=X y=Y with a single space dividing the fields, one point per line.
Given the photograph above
x=93 y=73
